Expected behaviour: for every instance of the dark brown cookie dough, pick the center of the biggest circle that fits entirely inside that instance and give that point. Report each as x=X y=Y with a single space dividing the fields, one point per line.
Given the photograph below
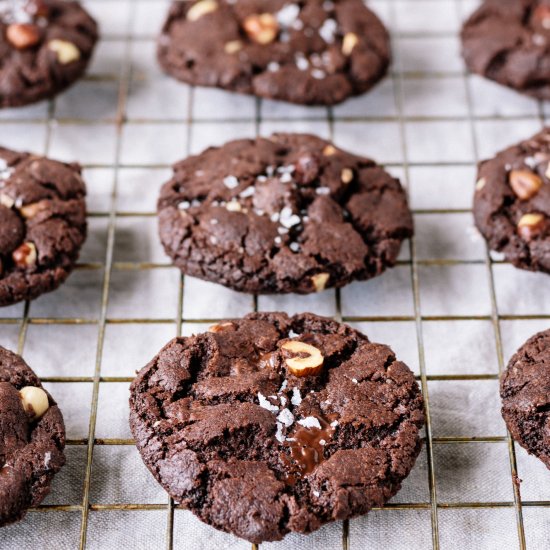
x=315 y=52
x=32 y=438
x=286 y=214
x=512 y=203
x=45 y=46
x=509 y=41
x=42 y=224
x=525 y=392
x=272 y=424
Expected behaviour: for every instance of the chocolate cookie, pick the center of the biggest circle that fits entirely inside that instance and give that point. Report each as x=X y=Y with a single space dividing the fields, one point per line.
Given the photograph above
x=42 y=224
x=315 y=52
x=525 y=392
x=32 y=438
x=291 y=213
x=45 y=46
x=512 y=203
x=509 y=41
x=272 y=424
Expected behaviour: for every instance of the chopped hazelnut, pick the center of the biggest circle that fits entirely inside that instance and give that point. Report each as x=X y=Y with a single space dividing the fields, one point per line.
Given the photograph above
x=196 y=11
x=525 y=183
x=25 y=255
x=320 y=281
x=221 y=327
x=530 y=226
x=261 y=28
x=23 y=35
x=347 y=175
x=350 y=41
x=306 y=360
x=480 y=184
x=30 y=210
x=34 y=400
x=6 y=200
x=329 y=150
x=66 y=52
x=233 y=47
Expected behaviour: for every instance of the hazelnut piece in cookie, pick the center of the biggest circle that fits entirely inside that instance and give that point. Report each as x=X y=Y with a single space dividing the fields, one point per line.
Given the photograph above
x=35 y=401
x=302 y=359
x=525 y=184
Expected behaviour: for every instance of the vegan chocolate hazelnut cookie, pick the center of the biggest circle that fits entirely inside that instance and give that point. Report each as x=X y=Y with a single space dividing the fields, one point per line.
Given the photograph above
x=272 y=424
x=512 y=203
x=525 y=392
x=311 y=52
x=45 y=45
x=32 y=438
x=291 y=213
x=42 y=224
x=508 y=41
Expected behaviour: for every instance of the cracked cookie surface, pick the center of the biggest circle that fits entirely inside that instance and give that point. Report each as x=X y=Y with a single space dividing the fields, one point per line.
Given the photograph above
x=512 y=203
x=42 y=224
x=249 y=447
x=32 y=438
x=311 y=52
x=525 y=392
x=508 y=41
x=291 y=213
x=45 y=46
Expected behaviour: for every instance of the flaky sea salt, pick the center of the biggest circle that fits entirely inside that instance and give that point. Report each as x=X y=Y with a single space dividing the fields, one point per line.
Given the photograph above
x=265 y=404
x=310 y=422
x=279 y=433
x=318 y=74
x=301 y=62
x=328 y=30
x=248 y=192
x=230 y=182
x=296 y=397
x=288 y=219
x=286 y=417
x=288 y=15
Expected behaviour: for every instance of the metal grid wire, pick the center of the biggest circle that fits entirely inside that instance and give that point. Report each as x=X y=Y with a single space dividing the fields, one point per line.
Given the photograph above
x=117 y=116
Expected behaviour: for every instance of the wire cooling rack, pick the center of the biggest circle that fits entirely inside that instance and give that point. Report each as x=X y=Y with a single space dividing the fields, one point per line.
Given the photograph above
x=451 y=310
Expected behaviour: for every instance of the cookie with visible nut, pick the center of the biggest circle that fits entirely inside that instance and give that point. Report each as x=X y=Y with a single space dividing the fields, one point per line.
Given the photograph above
x=525 y=393
x=290 y=213
x=313 y=52
x=45 y=46
x=273 y=424
x=32 y=438
x=42 y=224
x=512 y=202
x=508 y=41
